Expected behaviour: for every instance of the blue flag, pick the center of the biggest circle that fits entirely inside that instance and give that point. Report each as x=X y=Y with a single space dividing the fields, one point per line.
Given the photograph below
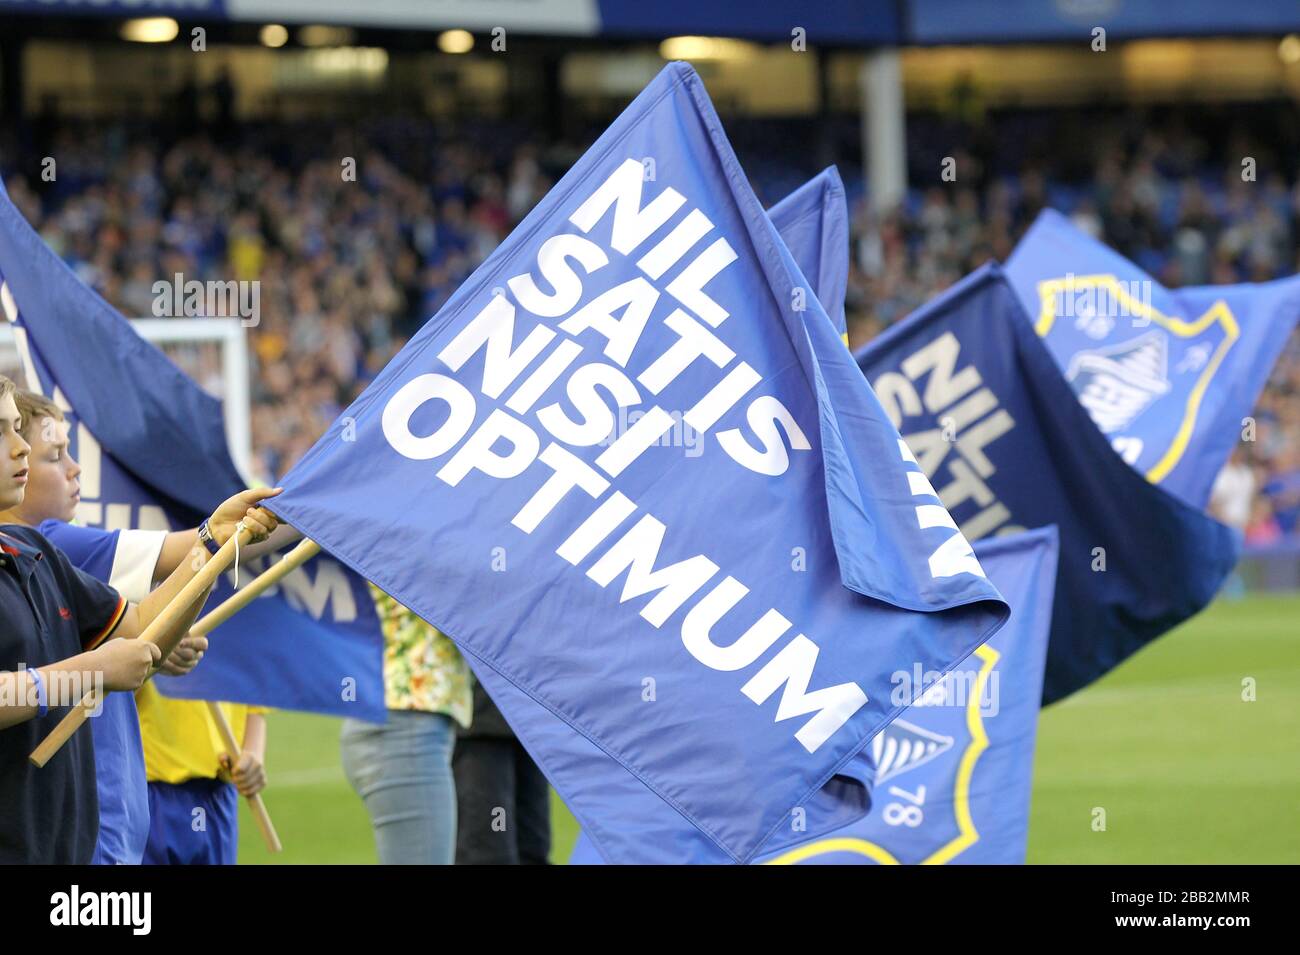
x=153 y=453
x=599 y=788
x=577 y=767
x=1167 y=375
x=719 y=618
x=814 y=224
x=999 y=433
x=953 y=772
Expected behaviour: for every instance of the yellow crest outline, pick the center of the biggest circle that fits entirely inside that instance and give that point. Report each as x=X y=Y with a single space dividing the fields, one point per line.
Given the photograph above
x=1218 y=312
x=967 y=835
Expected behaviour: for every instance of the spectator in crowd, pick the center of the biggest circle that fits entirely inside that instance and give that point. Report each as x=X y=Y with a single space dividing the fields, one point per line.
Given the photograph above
x=351 y=265
x=1233 y=492
x=401 y=769
x=1283 y=491
x=1263 y=528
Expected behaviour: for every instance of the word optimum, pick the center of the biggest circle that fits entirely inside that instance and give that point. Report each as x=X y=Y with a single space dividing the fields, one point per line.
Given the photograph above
x=778 y=435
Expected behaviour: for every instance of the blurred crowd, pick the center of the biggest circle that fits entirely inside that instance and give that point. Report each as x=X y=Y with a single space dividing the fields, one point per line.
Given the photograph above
x=351 y=266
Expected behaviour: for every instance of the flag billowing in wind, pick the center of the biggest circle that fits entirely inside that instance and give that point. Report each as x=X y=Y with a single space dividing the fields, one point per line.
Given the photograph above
x=721 y=619
x=1167 y=375
x=814 y=222
x=576 y=766
x=942 y=809
x=153 y=453
x=1007 y=445
x=952 y=774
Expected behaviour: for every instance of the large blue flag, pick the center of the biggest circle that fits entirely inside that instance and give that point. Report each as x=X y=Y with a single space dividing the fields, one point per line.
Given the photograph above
x=153 y=453
x=516 y=476
x=1167 y=375
x=999 y=433
x=953 y=772
x=600 y=789
x=814 y=223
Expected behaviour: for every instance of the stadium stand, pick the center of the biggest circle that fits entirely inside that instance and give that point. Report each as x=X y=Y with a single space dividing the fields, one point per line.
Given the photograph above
x=347 y=274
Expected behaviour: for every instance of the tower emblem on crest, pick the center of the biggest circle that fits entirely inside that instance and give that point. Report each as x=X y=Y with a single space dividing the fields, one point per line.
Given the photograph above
x=1118 y=383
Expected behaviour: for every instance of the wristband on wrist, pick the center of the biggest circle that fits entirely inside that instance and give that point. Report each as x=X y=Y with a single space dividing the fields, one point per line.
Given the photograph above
x=42 y=699
x=205 y=535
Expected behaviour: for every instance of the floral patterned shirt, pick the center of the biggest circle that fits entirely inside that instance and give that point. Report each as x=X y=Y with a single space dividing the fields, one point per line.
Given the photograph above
x=423 y=670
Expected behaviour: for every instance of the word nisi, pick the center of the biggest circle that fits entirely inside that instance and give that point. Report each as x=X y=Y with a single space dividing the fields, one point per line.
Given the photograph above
x=103 y=908
x=969 y=421
x=635 y=553
x=195 y=299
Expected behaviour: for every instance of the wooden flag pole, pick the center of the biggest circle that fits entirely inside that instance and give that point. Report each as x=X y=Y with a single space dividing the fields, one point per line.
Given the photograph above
x=162 y=623
x=304 y=551
x=255 y=804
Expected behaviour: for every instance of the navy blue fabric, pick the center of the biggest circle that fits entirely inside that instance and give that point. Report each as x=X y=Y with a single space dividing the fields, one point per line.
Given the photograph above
x=51 y=612
x=1007 y=445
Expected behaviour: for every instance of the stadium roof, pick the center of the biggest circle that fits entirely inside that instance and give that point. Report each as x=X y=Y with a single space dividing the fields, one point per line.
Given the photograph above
x=828 y=22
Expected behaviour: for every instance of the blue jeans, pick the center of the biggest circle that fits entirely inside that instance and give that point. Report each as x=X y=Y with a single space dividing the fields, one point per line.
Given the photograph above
x=402 y=771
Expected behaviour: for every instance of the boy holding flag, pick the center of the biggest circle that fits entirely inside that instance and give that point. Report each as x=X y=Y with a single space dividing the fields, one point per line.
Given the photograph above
x=131 y=561
x=58 y=625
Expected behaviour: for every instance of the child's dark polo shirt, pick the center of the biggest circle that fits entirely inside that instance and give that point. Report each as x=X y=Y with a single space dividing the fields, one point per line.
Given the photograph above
x=49 y=611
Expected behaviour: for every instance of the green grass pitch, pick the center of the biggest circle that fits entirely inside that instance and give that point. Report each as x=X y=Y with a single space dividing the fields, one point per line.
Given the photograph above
x=1185 y=769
